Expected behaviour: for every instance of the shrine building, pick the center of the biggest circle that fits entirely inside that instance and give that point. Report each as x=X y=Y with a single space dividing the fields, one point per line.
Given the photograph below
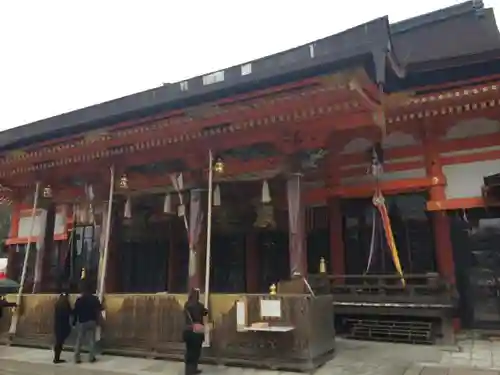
x=295 y=139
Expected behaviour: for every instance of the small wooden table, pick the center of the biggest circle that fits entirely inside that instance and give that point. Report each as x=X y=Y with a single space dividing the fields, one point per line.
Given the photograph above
x=267 y=329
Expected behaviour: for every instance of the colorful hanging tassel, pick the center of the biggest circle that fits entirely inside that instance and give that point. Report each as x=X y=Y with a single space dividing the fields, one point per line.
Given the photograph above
x=379 y=202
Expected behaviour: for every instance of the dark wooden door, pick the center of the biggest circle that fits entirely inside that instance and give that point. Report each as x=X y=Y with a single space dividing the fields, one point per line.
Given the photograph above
x=227 y=273
x=412 y=229
x=274 y=259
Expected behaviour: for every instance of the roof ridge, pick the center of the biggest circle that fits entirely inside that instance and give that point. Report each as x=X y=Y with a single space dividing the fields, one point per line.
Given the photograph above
x=437 y=16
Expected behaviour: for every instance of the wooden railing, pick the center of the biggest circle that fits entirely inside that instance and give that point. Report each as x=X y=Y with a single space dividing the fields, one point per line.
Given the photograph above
x=423 y=289
x=152 y=325
x=367 y=303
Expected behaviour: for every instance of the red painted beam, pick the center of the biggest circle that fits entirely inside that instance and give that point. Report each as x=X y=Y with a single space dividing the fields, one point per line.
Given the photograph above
x=293 y=105
x=312 y=133
x=366 y=190
x=446 y=104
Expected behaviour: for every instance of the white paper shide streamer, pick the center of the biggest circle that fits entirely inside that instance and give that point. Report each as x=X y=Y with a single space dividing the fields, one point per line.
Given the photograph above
x=167 y=204
x=217 y=201
x=128 y=209
x=266 y=194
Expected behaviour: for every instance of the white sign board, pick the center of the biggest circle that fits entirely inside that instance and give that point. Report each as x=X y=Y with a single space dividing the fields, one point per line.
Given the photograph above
x=241 y=314
x=270 y=308
x=25 y=223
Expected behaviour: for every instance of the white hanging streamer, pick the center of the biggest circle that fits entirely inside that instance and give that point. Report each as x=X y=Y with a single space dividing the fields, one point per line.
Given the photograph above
x=372 y=241
x=178 y=183
x=465 y=217
x=217 y=199
x=89 y=192
x=128 y=209
x=375 y=170
x=167 y=204
x=266 y=195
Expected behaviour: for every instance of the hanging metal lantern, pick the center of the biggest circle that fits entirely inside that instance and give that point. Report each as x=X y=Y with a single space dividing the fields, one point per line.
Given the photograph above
x=47 y=192
x=322 y=265
x=124 y=181
x=219 y=165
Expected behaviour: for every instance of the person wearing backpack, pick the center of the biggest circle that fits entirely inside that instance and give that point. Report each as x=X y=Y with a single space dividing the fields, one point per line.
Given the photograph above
x=194 y=331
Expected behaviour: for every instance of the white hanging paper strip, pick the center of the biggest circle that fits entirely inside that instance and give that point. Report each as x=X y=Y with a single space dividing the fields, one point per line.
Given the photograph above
x=89 y=191
x=266 y=195
x=181 y=210
x=91 y=214
x=83 y=214
x=128 y=209
x=43 y=225
x=60 y=221
x=216 y=198
x=180 y=182
x=167 y=204
x=192 y=263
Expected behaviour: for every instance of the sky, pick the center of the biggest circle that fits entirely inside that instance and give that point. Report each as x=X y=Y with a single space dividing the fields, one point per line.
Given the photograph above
x=60 y=55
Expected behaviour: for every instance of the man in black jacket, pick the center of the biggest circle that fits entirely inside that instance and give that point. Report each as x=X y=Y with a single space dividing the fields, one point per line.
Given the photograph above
x=5 y=304
x=87 y=314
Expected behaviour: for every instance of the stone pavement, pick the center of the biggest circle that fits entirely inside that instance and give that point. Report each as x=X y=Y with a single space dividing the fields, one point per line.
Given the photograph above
x=470 y=357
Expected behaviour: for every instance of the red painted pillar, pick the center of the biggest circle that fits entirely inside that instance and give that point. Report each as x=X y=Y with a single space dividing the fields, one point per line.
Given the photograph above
x=441 y=223
x=197 y=231
x=336 y=228
x=297 y=245
x=48 y=247
x=12 y=255
x=251 y=262
x=44 y=245
x=112 y=281
x=14 y=219
x=444 y=249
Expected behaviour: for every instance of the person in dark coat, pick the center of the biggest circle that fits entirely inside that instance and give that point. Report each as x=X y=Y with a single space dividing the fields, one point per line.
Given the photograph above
x=194 y=312
x=87 y=316
x=62 y=324
x=5 y=304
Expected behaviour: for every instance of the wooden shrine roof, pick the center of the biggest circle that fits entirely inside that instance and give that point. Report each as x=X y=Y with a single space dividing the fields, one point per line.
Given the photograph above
x=441 y=37
x=465 y=30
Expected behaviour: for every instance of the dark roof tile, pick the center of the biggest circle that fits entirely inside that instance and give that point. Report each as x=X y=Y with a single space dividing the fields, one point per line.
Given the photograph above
x=462 y=34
